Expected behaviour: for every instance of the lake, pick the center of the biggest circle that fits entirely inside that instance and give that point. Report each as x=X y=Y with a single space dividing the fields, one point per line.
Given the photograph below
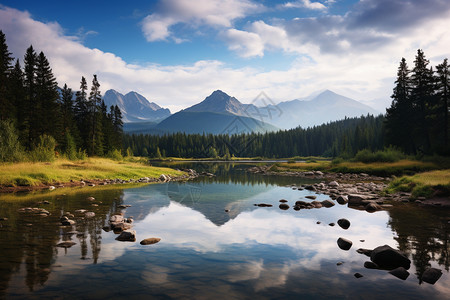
x=215 y=243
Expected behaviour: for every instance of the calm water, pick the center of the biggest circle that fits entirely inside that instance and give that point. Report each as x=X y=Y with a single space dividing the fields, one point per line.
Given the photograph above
x=207 y=253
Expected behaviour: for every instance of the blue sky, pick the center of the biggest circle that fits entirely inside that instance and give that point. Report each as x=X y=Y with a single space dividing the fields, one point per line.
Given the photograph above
x=176 y=52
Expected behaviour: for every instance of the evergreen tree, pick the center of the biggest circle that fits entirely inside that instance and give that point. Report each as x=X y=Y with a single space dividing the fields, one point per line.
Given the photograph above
x=118 y=126
x=422 y=93
x=30 y=96
x=47 y=109
x=443 y=95
x=95 y=138
x=81 y=114
x=6 y=107
x=399 y=117
x=17 y=96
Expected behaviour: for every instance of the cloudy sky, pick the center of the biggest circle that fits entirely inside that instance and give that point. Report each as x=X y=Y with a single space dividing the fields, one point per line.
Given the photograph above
x=176 y=52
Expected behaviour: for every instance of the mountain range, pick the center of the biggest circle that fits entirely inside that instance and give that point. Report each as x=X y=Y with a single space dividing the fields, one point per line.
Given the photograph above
x=135 y=107
x=220 y=113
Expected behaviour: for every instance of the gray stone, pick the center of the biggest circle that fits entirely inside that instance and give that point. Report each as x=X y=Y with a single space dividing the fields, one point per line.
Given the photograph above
x=344 y=244
x=344 y=223
x=333 y=184
x=127 y=236
x=355 y=198
x=163 y=177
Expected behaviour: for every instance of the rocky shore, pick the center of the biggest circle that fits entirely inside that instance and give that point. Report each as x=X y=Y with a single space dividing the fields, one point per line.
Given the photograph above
x=359 y=190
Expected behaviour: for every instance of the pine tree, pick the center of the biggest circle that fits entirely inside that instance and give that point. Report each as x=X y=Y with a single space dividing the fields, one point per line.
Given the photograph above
x=81 y=114
x=6 y=107
x=399 y=117
x=95 y=130
x=443 y=95
x=30 y=96
x=47 y=109
x=17 y=96
x=422 y=95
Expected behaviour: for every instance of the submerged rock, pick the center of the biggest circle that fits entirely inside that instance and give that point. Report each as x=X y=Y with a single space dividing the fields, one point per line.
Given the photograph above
x=431 y=275
x=400 y=272
x=150 y=241
x=387 y=257
x=344 y=244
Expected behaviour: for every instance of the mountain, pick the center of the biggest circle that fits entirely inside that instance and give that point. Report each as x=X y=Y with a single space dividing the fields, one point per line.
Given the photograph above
x=135 y=107
x=325 y=107
x=220 y=102
x=218 y=113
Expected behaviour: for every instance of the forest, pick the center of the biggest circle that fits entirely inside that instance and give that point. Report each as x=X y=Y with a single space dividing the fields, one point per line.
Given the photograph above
x=416 y=123
x=39 y=121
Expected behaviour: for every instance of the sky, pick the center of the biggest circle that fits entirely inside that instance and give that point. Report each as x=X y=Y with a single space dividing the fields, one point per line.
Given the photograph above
x=177 y=52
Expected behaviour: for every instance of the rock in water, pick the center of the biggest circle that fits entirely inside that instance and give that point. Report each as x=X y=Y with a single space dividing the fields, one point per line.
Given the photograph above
x=66 y=244
x=400 y=272
x=342 y=200
x=283 y=206
x=431 y=275
x=127 y=236
x=344 y=244
x=358 y=275
x=344 y=223
x=89 y=214
x=370 y=265
x=150 y=241
x=327 y=203
x=387 y=257
x=372 y=207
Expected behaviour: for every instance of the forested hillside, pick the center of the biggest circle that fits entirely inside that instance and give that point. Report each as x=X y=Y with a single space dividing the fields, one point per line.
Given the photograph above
x=37 y=118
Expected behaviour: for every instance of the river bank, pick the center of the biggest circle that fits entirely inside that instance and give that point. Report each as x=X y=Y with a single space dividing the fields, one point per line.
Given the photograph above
x=23 y=177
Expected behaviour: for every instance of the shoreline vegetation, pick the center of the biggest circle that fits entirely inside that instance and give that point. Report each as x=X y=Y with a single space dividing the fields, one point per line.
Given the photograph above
x=28 y=176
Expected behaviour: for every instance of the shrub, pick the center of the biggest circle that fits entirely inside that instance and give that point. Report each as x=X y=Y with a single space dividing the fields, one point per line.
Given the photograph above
x=387 y=155
x=115 y=155
x=10 y=148
x=337 y=161
x=45 y=150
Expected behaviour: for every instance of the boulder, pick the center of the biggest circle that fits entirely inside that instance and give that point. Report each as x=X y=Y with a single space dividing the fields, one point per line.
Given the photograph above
x=150 y=241
x=344 y=223
x=431 y=275
x=163 y=177
x=283 y=206
x=355 y=198
x=344 y=244
x=333 y=184
x=120 y=226
x=370 y=265
x=400 y=272
x=127 y=236
x=389 y=258
x=342 y=200
x=372 y=207
x=327 y=203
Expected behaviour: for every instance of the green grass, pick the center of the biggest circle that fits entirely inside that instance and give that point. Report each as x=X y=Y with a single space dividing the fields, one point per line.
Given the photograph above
x=425 y=184
x=61 y=170
x=377 y=168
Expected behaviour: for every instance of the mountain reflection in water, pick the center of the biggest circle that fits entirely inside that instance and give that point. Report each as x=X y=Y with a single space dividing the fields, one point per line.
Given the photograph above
x=215 y=244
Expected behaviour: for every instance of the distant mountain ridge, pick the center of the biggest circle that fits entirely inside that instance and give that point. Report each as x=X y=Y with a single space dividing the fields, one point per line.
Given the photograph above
x=135 y=107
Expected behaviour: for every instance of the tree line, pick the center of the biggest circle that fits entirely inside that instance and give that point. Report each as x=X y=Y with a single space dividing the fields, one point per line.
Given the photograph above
x=417 y=120
x=36 y=116
x=340 y=138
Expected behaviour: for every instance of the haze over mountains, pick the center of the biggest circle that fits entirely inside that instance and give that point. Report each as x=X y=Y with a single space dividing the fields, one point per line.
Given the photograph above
x=221 y=113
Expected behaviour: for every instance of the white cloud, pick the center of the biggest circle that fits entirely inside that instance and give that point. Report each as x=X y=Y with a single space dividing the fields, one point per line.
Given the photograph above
x=248 y=44
x=217 y=13
x=305 y=4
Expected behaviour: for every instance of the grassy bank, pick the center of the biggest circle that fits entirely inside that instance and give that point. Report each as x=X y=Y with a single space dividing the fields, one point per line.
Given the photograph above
x=61 y=170
x=377 y=168
x=426 y=184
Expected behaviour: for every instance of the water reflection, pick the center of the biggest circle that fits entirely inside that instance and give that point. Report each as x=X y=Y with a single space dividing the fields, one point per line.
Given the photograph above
x=215 y=244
